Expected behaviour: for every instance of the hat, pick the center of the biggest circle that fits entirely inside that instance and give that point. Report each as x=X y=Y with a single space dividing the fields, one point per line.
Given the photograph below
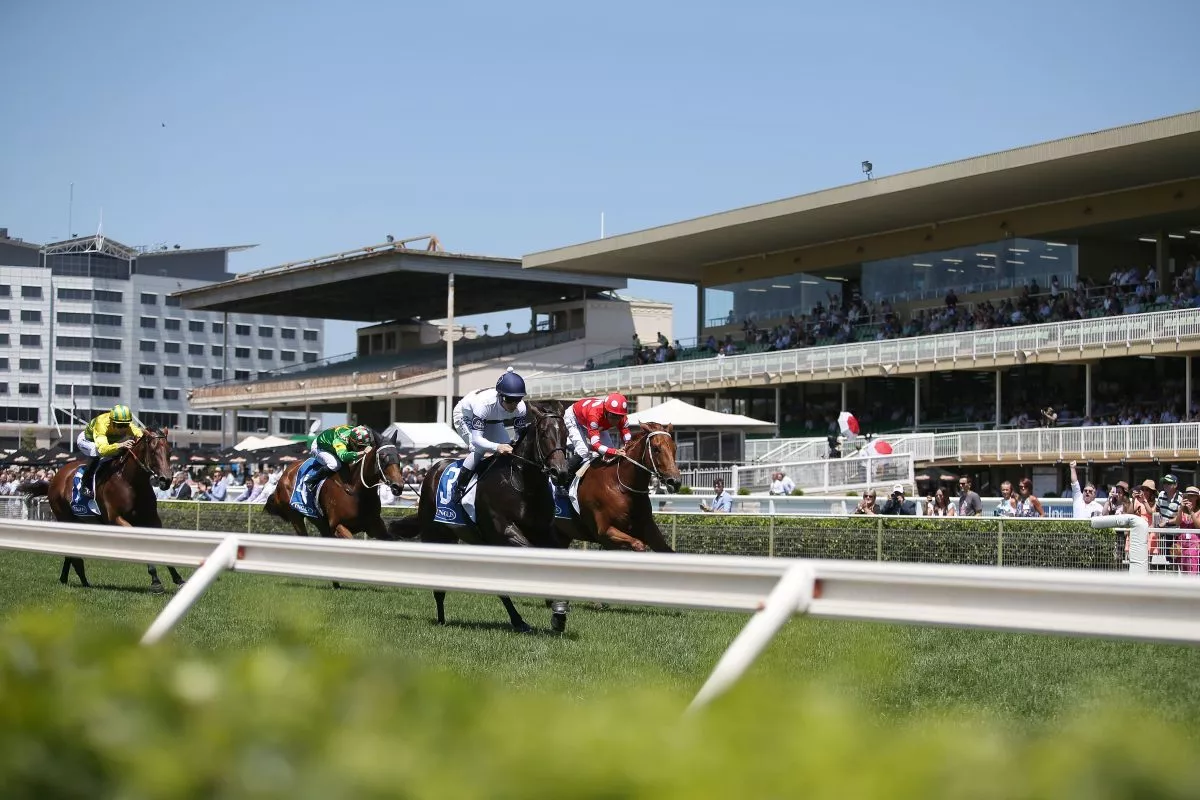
x=898 y=488
x=1191 y=490
x=1123 y=486
x=1149 y=484
x=1169 y=478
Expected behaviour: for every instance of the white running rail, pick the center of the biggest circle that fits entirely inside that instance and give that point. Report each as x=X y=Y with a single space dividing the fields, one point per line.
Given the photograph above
x=775 y=589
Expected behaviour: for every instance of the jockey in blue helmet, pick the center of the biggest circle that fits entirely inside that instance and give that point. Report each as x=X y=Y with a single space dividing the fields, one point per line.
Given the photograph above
x=480 y=420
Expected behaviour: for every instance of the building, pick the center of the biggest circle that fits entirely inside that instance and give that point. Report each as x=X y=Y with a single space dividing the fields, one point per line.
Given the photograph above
x=90 y=322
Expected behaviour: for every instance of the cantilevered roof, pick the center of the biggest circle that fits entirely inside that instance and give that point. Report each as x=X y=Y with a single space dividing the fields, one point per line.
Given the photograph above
x=1113 y=160
x=388 y=281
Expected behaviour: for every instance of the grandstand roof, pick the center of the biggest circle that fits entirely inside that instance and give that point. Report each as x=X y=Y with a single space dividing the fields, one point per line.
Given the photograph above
x=1113 y=160
x=389 y=281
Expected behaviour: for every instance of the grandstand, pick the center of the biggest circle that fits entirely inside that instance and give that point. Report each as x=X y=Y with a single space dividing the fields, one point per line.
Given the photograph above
x=967 y=297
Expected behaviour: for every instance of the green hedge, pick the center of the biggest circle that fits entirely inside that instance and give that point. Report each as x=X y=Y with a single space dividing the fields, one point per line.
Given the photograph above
x=88 y=714
x=982 y=540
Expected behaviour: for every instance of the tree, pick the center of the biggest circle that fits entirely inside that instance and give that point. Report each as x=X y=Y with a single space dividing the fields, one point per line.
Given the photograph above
x=28 y=439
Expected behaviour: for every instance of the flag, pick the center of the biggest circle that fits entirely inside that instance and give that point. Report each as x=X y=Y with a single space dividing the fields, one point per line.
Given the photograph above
x=847 y=424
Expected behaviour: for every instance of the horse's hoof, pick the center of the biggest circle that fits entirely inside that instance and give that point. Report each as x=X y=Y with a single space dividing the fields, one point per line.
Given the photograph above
x=157 y=588
x=523 y=627
x=558 y=623
x=180 y=583
x=63 y=581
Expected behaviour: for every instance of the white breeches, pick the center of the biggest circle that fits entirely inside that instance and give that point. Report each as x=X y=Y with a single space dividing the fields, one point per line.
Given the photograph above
x=495 y=432
x=86 y=446
x=577 y=437
x=328 y=459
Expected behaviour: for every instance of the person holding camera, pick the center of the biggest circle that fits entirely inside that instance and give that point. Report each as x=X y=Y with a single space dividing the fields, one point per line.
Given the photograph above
x=897 y=505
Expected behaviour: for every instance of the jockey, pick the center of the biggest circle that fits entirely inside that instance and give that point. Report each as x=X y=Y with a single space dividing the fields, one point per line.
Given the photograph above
x=336 y=446
x=485 y=411
x=589 y=421
x=104 y=437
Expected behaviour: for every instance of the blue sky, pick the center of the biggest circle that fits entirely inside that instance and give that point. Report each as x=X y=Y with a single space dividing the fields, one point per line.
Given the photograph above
x=508 y=128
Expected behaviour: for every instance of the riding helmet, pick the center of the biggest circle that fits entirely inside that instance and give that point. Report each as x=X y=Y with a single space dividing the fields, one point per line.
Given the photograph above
x=121 y=414
x=511 y=385
x=360 y=436
x=616 y=403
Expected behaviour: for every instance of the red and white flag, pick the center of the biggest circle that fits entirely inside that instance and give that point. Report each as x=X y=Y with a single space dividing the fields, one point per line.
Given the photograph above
x=848 y=424
x=878 y=447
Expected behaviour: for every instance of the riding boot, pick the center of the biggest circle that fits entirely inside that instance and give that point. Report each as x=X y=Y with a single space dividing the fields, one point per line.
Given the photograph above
x=85 y=481
x=460 y=486
x=573 y=464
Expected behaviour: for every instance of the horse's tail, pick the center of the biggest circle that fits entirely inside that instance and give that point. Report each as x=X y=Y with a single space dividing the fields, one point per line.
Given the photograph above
x=407 y=527
x=34 y=488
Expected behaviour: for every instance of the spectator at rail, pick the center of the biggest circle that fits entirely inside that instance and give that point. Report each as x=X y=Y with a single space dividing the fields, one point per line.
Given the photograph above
x=969 y=503
x=1144 y=496
x=219 y=485
x=1186 y=552
x=722 y=501
x=781 y=484
x=1027 y=503
x=1008 y=501
x=254 y=489
x=1166 y=504
x=181 y=488
x=896 y=504
x=940 y=505
x=867 y=505
x=1083 y=500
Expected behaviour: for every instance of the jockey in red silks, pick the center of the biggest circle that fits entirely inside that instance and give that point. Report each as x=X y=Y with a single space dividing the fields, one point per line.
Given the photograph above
x=592 y=420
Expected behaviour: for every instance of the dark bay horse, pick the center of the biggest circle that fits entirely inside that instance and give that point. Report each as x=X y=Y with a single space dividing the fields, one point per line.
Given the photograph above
x=124 y=495
x=614 y=494
x=348 y=498
x=514 y=505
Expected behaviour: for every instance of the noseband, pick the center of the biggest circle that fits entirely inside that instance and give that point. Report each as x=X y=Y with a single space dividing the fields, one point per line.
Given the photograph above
x=652 y=469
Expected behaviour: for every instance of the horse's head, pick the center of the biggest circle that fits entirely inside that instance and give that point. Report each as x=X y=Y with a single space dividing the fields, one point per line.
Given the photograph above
x=387 y=461
x=551 y=433
x=659 y=441
x=153 y=453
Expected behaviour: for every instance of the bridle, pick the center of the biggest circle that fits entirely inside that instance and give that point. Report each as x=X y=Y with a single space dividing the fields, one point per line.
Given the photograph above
x=129 y=453
x=653 y=470
x=362 y=470
x=543 y=456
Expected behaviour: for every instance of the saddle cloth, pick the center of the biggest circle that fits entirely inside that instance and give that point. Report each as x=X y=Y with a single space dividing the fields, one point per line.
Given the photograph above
x=301 y=500
x=80 y=507
x=566 y=504
x=445 y=509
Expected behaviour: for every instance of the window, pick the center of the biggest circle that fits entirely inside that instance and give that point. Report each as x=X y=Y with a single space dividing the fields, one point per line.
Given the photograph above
x=5 y=290
x=147 y=346
x=170 y=371
x=241 y=374
x=195 y=372
x=287 y=333
x=70 y=389
x=4 y=338
x=149 y=299
x=4 y=364
x=218 y=350
x=287 y=355
x=29 y=388
x=170 y=394
x=105 y=296
x=204 y=422
x=74 y=294
x=263 y=375
x=266 y=331
x=149 y=322
x=145 y=393
x=73 y=318
x=4 y=315
x=218 y=327
x=107 y=367
x=170 y=347
x=196 y=325
x=31 y=340
x=11 y=414
x=112 y=320
x=30 y=315
x=106 y=391
x=292 y=426
x=106 y=344
x=171 y=324
x=81 y=342
x=31 y=364
x=31 y=293
x=241 y=330
x=72 y=366
x=241 y=352
x=171 y=302
x=266 y=355
x=146 y=369
x=217 y=374
x=310 y=335
x=4 y=385
x=195 y=349
x=310 y=358
x=160 y=419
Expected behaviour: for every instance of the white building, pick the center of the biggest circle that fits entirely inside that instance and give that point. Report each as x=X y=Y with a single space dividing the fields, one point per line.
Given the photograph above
x=89 y=322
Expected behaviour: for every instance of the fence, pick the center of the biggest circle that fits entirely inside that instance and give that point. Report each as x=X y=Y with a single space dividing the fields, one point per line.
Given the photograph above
x=1046 y=601
x=831 y=474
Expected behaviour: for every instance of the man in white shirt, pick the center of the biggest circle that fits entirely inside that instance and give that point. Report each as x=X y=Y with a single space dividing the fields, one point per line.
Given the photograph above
x=1083 y=501
x=781 y=484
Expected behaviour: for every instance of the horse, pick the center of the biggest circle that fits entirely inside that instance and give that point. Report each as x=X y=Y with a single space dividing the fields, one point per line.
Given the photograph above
x=123 y=495
x=348 y=498
x=614 y=494
x=514 y=504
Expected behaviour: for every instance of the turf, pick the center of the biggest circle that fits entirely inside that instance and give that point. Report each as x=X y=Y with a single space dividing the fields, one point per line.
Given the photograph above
x=1024 y=680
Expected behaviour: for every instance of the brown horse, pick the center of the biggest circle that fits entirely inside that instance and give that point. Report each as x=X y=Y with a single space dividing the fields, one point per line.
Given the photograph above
x=348 y=499
x=123 y=495
x=614 y=494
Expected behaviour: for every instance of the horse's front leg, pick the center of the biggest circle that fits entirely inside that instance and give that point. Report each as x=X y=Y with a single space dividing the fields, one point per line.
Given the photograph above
x=652 y=535
x=619 y=538
x=513 y=536
x=155 y=584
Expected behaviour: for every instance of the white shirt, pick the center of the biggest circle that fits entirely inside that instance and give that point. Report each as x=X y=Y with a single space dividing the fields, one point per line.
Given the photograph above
x=1083 y=510
x=482 y=408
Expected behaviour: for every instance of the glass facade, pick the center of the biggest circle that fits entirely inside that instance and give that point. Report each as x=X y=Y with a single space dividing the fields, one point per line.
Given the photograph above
x=995 y=266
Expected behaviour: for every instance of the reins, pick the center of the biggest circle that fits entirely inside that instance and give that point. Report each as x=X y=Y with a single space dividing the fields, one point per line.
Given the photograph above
x=652 y=470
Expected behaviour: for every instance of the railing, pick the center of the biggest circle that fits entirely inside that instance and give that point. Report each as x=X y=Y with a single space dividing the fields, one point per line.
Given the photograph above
x=944 y=351
x=774 y=590
x=831 y=474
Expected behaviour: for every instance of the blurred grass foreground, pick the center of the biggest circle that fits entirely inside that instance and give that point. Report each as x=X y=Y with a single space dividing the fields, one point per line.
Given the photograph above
x=85 y=712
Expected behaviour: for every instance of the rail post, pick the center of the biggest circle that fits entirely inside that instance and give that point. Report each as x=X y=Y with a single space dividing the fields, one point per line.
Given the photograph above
x=792 y=595
x=1000 y=542
x=221 y=559
x=674 y=531
x=1139 y=539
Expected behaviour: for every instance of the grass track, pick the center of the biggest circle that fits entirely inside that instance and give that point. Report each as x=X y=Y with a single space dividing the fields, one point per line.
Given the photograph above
x=1025 y=680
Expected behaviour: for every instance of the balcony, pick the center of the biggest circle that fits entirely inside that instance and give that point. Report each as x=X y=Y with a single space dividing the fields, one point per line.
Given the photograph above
x=1159 y=332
